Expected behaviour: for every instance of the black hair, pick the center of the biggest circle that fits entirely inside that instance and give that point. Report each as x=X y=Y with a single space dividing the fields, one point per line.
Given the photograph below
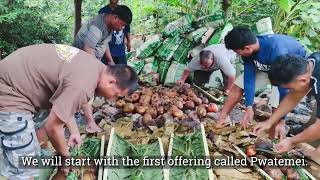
x=239 y=37
x=286 y=69
x=205 y=55
x=126 y=77
x=124 y=13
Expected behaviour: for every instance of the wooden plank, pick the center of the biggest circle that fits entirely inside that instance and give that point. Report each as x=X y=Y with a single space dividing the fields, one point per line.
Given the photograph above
x=105 y=171
x=260 y=171
x=206 y=150
x=103 y=141
x=309 y=174
x=165 y=171
x=170 y=151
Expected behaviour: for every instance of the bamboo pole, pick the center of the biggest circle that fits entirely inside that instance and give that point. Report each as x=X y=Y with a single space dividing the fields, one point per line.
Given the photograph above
x=103 y=141
x=206 y=150
x=262 y=172
x=105 y=171
x=165 y=171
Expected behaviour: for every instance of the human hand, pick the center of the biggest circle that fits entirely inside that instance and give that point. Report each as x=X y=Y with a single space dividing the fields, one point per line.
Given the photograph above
x=280 y=130
x=284 y=145
x=262 y=126
x=128 y=46
x=247 y=117
x=223 y=120
x=226 y=92
x=74 y=140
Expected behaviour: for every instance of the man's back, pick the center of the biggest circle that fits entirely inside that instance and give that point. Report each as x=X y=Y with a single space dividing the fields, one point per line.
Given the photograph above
x=34 y=76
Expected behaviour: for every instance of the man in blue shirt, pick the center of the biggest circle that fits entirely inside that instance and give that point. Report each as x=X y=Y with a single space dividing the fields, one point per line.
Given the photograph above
x=258 y=53
x=117 y=44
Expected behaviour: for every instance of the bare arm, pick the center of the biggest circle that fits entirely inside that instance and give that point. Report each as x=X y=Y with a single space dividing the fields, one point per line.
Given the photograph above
x=72 y=126
x=231 y=80
x=128 y=37
x=87 y=109
x=286 y=105
x=55 y=132
x=185 y=75
x=109 y=57
x=310 y=134
x=89 y=50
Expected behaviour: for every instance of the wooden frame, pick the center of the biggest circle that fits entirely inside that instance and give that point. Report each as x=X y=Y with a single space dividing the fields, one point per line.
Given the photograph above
x=108 y=153
x=206 y=150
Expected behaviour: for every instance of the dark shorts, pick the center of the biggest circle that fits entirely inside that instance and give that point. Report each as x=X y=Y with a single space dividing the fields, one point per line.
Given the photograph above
x=203 y=77
x=117 y=60
x=18 y=138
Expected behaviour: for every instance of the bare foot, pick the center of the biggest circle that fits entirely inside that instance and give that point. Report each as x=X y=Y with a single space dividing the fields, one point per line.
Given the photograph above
x=93 y=128
x=223 y=121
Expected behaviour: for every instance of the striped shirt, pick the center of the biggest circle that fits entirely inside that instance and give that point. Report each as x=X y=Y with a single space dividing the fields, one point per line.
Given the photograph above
x=95 y=34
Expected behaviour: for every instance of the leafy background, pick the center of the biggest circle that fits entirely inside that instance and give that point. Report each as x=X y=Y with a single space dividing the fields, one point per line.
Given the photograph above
x=25 y=22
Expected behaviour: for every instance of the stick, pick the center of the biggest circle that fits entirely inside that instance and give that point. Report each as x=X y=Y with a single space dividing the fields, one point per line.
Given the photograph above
x=105 y=172
x=165 y=171
x=100 y=172
x=206 y=150
x=209 y=96
x=308 y=174
x=262 y=172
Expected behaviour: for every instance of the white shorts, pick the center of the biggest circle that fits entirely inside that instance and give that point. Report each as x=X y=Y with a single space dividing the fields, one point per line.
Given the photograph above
x=261 y=81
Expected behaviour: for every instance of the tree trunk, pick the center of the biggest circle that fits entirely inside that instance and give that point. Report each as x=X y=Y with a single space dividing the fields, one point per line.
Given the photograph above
x=226 y=4
x=77 y=10
x=0 y=54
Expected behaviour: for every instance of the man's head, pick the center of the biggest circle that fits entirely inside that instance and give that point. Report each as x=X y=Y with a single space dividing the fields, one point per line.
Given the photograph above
x=117 y=81
x=291 y=72
x=206 y=59
x=114 y=2
x=120 y=17
x=242 y=41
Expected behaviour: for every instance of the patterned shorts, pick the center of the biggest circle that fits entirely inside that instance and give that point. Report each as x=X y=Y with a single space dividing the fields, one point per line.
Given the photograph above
x=17 y=138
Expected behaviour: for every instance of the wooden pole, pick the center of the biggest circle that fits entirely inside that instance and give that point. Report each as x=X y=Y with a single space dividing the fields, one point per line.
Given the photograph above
x=77 y=19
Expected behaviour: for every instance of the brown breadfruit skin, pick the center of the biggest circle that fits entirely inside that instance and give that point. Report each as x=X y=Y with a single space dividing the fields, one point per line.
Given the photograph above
x=205 y=100
x=135 y=97
x=179 y=104
x=146 y=118
x=141 y=109
x=160 y=110
x=128 y=108
x=120 y=103
x=197 y=101
x=189 y=105
x=152 y=111
x=145 y=99
x=177 y=113
x=201 y=111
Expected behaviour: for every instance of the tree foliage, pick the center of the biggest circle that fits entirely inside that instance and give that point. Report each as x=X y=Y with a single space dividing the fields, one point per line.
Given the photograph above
x=30 y=22
x=25 y=22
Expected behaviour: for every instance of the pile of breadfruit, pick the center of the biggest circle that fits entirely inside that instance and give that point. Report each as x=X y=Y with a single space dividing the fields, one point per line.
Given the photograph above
x=179 y=102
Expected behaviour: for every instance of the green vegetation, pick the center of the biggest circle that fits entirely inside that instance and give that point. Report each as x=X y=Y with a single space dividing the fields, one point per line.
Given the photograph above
x=25 y=22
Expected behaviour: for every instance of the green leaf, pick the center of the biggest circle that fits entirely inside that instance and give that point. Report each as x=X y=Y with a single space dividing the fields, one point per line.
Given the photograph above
x=285 y=5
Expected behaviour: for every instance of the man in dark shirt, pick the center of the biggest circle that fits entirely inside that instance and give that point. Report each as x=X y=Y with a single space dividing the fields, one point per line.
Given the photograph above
x=117 y=44
x=301 y=77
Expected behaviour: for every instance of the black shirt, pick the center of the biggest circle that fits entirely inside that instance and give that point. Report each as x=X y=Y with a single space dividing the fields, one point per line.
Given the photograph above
x=315 y=78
